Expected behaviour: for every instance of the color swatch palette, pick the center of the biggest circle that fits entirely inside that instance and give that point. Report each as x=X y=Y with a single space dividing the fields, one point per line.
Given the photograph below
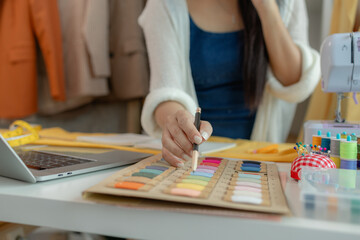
x=219 y=182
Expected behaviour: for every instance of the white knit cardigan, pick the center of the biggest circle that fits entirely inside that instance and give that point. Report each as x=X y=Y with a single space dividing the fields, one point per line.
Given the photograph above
x=166 y=28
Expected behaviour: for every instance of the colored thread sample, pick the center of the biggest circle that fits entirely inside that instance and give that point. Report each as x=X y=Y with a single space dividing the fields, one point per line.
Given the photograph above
x=247 y=166
x=250 y=169
x=203 y=174
x=348 y=164
x=145 y=174
x=210 y=164
x=241 y=179
x=353 y=137
x=254 y=162
x=211 y=161
x=244 y=188
x=154 y=171
x=248 y=184
x=246 y=199
x=198 y=180
x=247 y=175
x=358 y=154
x=247 y=193
x=213 y=158
x=129 y=185
x=248 y=188
x=348 y=149
x=202 y=178
x=157 y=168
x=251 y=165
x=336 y=160
x=335 y=146
x=190 y=186
x=195 y=181
x=207 y=167
x=185 y=192
x=316 y=140
x=343 y=135
x=205 y=170
x=325 y=143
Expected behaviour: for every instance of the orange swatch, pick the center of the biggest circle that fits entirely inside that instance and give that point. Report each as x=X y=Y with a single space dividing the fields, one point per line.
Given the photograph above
x=210 y=164
x=129 y=185
x=185 y=192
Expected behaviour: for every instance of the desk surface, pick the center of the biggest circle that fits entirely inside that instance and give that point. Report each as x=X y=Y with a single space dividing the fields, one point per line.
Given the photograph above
x=59 y=204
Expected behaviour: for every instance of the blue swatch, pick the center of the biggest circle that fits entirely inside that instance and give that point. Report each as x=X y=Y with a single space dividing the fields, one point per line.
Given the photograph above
x=202 y=174
x=250 y=169
x=250 y=165
x=249 y=176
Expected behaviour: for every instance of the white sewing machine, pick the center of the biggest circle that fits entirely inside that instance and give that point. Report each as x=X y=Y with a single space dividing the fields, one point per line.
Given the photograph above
x=340 y=69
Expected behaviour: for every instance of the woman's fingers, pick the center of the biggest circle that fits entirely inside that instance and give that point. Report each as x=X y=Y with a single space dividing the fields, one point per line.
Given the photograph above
x=186 y=123
x=173 y=146
x=179 y=135
x=170 y=158
x=205 y=130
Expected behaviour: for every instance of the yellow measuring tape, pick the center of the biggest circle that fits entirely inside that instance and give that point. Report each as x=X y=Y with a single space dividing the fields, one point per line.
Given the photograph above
x=21 y=132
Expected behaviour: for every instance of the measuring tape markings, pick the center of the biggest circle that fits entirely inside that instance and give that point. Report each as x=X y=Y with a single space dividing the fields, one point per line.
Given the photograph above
x=21 y=132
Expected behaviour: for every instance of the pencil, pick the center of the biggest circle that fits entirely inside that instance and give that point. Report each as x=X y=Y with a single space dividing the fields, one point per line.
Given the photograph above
x=195 y=153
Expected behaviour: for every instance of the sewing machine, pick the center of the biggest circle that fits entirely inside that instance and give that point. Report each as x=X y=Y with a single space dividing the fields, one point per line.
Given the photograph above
x=340 y=69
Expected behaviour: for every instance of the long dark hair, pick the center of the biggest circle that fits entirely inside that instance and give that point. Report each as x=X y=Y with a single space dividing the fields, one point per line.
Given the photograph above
x=256 y=58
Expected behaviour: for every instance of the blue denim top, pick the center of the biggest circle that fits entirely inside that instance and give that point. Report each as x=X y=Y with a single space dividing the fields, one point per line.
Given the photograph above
x=216 y=64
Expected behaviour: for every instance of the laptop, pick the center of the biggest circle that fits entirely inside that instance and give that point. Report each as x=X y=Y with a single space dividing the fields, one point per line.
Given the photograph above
x=36 y=166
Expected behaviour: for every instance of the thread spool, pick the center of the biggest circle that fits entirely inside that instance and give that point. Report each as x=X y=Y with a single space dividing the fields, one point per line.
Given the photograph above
x=335 y=145
x=348 y=149
x=348 y=164
x=344 y=135
x=358 y=155
x=325 y=142
x=353 y=137
x=316 y=139
x=336 y=160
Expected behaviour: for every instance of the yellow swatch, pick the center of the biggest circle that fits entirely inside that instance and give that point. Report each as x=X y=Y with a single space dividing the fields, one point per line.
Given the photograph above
x=190 y=186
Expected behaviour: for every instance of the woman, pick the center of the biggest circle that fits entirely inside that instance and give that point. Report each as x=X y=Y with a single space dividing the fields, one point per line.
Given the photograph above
x=245 y=63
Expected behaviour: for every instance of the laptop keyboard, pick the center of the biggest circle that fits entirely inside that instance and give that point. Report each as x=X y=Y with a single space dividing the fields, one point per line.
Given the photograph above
x=42 y=161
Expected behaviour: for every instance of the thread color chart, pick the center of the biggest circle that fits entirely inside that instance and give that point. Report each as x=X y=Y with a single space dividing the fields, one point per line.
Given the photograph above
x=218 y=182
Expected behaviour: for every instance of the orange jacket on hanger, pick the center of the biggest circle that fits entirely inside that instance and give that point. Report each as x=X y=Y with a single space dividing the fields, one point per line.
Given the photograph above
x=22 y=22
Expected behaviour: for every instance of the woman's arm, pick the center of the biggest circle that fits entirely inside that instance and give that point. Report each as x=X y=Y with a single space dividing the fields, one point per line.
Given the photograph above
x=179 y=132
x=284 y=56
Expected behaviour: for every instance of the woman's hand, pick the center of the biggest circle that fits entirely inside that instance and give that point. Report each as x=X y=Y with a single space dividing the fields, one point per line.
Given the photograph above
x=279 y=43
x=179 y=133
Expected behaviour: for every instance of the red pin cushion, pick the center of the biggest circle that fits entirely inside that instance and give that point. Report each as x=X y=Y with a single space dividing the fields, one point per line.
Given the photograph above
x=310 y=160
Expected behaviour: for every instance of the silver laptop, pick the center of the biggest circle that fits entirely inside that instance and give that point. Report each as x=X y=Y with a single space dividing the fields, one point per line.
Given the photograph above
x=34 y=166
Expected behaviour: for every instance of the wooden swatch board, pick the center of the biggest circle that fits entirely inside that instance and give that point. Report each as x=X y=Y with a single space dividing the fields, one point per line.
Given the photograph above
x=153 y=178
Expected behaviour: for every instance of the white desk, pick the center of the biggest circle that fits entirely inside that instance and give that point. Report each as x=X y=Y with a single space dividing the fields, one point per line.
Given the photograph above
x=59 y=204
